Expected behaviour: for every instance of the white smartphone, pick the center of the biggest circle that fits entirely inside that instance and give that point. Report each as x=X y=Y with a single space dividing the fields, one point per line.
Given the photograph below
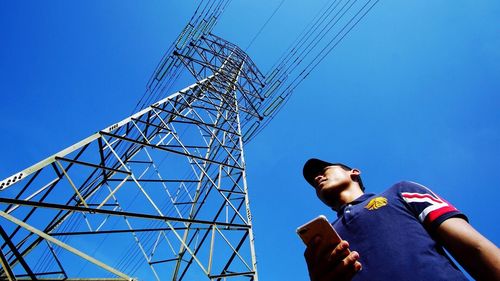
x=318 y=226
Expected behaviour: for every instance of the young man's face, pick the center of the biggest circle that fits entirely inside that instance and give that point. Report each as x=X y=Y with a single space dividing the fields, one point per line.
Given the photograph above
x=331 y=181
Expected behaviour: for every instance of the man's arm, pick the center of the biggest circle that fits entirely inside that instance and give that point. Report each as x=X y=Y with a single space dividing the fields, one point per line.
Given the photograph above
x=479 y=256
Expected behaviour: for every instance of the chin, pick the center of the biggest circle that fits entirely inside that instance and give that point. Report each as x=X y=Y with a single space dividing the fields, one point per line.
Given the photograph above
x=329 y=193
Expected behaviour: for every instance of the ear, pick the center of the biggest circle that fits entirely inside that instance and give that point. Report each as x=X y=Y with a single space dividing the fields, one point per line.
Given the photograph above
x=355 y=172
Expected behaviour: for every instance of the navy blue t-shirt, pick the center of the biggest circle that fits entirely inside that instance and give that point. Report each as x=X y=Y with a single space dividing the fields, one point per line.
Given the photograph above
x=392 y=232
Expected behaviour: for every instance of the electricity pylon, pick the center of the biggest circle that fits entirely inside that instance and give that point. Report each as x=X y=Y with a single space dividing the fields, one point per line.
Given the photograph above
x=169 y=180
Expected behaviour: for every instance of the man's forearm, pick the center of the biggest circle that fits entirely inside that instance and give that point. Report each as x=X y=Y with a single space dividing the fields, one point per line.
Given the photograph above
x=489 y=257
x=479 y=256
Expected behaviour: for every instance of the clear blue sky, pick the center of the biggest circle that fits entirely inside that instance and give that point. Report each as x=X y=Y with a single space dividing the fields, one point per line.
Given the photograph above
x=413 y=93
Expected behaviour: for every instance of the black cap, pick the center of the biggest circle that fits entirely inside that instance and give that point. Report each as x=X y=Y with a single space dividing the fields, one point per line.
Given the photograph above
x=313 y=166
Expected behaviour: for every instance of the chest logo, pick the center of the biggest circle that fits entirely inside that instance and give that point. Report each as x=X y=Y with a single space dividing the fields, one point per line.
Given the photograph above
x=375 y=203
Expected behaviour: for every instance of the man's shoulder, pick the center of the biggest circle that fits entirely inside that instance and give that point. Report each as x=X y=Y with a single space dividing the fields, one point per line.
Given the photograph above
x=407 y=186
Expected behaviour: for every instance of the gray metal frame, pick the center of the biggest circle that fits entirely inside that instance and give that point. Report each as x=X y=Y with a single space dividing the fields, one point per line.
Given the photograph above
x=169 y=180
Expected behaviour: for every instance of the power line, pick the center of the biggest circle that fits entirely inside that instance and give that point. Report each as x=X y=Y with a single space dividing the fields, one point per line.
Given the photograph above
x=264 y=25
x=299 y=54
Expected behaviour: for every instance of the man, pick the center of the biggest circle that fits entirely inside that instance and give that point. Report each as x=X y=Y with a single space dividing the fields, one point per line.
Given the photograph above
x=396 y=235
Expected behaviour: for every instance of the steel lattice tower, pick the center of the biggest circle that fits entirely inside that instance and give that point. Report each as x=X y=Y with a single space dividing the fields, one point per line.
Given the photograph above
x=169 y=180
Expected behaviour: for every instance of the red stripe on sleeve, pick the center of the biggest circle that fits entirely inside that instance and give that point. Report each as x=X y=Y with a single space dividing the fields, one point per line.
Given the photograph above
x=439 y=212
x=418 y=195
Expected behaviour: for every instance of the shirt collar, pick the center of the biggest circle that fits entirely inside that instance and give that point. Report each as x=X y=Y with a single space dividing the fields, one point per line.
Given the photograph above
x=354 y=202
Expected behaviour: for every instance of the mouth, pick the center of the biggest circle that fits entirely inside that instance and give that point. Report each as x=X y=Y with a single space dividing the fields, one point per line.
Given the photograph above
x=320 y=182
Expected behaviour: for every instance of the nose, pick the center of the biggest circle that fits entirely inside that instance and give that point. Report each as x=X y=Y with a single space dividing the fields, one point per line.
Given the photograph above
x=318 y=178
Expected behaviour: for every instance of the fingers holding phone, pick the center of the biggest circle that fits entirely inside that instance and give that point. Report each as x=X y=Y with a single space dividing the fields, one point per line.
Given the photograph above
x=328 y=256
x=331 y=262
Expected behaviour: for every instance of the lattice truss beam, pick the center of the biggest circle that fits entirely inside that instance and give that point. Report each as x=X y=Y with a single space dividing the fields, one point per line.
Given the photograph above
x=161 y=194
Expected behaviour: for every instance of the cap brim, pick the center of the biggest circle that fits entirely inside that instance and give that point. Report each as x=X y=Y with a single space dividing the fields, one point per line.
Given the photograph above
x=313 y=166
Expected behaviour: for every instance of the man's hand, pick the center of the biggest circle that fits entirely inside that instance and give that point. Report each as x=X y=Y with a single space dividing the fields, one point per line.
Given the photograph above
x=331 y=262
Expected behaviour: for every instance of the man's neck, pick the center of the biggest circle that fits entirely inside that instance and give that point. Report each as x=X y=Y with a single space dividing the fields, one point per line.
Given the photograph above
x=347 y=196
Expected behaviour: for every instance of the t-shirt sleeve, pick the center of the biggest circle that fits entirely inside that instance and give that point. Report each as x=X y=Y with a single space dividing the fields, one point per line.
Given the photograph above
x=430 y=209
